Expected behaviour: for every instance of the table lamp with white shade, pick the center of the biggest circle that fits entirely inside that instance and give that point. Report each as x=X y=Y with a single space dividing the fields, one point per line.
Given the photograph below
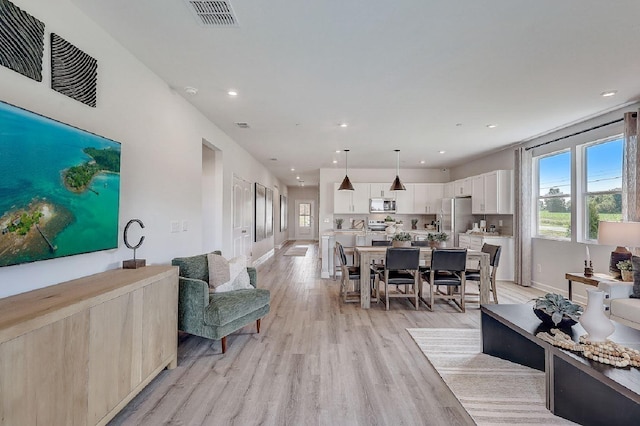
x=621 y=235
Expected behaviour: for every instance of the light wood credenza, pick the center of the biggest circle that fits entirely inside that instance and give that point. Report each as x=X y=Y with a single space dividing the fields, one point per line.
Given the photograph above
x=76 y=353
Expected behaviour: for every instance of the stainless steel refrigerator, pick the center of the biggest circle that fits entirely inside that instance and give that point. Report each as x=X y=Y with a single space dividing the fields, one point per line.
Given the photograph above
x=455 y=218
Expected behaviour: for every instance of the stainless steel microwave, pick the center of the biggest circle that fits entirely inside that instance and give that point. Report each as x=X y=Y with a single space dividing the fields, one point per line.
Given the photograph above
x=382 y=205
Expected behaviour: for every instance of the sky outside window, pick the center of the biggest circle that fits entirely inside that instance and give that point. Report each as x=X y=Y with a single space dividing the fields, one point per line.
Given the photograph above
x=555 y=172
x=604 y=166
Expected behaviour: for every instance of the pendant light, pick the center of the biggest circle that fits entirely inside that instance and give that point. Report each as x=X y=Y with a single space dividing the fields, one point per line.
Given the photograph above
x=397 y=185
x=346 y=183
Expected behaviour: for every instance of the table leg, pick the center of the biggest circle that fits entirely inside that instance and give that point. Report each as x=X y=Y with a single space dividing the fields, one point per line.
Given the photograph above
x=365 y=277
x=485 y=280
x=570 y=292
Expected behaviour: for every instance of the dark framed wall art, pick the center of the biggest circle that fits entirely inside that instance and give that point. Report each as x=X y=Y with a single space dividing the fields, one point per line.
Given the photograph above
x=269 y=213
x=261 y=211
x=283 y=213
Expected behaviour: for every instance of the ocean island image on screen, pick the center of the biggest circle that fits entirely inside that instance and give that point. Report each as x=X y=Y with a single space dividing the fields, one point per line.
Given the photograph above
x=59 y=189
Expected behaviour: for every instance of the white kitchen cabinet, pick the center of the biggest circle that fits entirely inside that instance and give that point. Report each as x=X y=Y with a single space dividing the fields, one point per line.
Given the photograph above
x=382 y=190
x=448 y=190
x=506 y=266
x=492 y=193
x=427 y=198
x=477 y=195
x=356 y=201
x=361 y=198
x=464 y=241
x=462 y=187
x=405 y=200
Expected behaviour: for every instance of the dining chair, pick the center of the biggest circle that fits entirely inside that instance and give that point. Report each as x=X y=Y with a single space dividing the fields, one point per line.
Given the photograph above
x=447 y=269
x=376 y=268
x=494 y=260
x=348 y=274
x=401 y=269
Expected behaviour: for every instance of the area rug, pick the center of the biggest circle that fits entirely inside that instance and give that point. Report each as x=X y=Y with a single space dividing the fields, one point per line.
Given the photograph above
x=296 y=251
x=492 y=390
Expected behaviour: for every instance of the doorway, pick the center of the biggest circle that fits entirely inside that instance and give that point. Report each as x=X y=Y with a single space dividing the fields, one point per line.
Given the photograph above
x=304 y=219
x=242 y=217
x=211 y=195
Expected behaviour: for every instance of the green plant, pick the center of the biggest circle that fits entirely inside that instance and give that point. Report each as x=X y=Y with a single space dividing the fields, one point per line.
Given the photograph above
x=625 y=265
x=388 y=219
x=438 y=236
x=558 y=307
x=402 y=236
x=414 y=222
x=339 y=222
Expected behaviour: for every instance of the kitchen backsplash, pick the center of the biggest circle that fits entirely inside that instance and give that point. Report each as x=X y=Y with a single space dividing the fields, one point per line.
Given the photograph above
x=405 y=218
x=505 y=229
x=494 y=219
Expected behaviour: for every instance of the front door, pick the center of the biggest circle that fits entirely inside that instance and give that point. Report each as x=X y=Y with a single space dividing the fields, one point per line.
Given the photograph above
x=304 y=219
x=241 y=217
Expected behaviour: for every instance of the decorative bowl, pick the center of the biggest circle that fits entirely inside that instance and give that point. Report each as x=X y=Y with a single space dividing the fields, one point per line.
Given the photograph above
x=566 y=322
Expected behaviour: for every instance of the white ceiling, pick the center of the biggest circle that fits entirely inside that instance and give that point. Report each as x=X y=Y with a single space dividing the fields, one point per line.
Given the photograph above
x=416 y=75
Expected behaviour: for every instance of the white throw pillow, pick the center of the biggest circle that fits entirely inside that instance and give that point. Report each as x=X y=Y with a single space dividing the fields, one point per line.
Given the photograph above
x=238 y=276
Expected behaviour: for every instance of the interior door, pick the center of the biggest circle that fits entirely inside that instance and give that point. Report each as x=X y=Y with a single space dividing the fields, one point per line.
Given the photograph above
x=241 y=217
x=304 y=219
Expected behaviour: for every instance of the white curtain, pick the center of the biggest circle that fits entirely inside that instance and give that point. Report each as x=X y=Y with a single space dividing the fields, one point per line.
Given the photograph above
x=522 y=217
x=631 y=169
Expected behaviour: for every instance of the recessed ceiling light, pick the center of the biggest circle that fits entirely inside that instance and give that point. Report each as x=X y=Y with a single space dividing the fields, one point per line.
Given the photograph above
x=298 y=177
x=335 y=161
x=337 y=151
x=441 y=152
x=422 y=161
x=293 y=170
x=232 y=93
x=343 y=125
x=492 y=126
x=190 y=90
x=608 y=93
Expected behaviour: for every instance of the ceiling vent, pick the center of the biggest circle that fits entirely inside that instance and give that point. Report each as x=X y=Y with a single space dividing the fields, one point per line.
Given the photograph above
x=242 y=125
x=213 y=13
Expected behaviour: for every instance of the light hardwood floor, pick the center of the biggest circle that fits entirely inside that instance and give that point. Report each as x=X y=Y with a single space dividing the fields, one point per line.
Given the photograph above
x=316 y=361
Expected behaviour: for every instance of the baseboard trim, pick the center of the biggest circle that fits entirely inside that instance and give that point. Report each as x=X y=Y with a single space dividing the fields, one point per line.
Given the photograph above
x=263 y=258
x=551 y=289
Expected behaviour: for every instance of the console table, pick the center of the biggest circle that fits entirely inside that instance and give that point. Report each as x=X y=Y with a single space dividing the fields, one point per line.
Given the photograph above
x=592 y=280
x=76 y=353
x=577 y=388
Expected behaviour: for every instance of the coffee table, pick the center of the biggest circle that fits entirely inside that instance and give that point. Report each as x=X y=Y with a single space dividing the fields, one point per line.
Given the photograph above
x=577 y=388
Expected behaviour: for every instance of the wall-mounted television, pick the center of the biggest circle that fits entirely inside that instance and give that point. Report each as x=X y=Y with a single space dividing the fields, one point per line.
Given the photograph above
x=59 y=188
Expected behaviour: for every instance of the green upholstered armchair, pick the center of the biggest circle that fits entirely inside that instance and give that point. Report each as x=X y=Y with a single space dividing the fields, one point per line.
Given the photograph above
x=215 y=315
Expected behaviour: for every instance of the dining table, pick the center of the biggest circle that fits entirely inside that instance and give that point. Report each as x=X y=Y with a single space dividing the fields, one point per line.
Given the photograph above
x=365 y=255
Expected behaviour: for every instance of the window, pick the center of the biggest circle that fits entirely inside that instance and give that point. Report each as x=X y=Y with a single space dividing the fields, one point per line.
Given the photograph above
x=603 y=189
x=554 y=195
x=304 y=215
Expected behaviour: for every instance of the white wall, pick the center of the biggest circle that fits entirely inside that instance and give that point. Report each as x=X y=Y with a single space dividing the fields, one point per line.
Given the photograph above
x=499 y=160
x=161 y=136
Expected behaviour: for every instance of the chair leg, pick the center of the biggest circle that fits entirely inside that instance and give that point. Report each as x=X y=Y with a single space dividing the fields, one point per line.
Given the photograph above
x=343 y=288
x=386 y=294
x=494 y=290
x=462 y=286
x=431 y=296
x=224 y=344
x=415 y=291
x=258 y=325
